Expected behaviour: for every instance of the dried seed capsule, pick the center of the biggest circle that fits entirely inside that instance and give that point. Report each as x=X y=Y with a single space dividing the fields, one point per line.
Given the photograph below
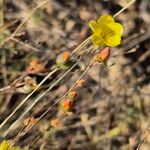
x=72 y=94
x=63 y=60
x=66 y=104
x=54 y=122
x=63 y=57
x=80 y=83
x=103 y=56
x=35 y=66
x=29 y=121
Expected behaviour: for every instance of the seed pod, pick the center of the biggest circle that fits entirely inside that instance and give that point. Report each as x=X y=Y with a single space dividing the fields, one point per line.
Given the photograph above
x=29 y=121
x=30 y=81
x=80 y=83
x=54 y=122
x=27 y=88
x=35 y=66
x=63 y=60
x=63 y=57
x=103 y=56
x=66 y=104
x=72 y=94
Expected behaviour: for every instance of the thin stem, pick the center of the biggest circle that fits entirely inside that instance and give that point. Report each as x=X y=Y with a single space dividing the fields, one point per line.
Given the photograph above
x=85 y=42
x=26 y=98
x=87 y=69
x=142 y=141
x=41 y=95
x=5 y=88
x=125 y=7
x=13 y=84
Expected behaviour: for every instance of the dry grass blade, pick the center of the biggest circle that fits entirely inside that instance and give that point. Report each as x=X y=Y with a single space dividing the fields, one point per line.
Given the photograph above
x=56 y=101
x=43 y=94
x=26 y=98
x=125 y=7
x=85 y=42
x=142 y=141
x=87 y=69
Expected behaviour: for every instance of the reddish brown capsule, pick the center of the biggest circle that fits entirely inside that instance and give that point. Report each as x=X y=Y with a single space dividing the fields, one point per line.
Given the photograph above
x=80 y=83
x=72 y=94
x=66 y=104
x=103 y=56
x=63 y=58
x=35 y=66
x=54 y=122
x=29 y=121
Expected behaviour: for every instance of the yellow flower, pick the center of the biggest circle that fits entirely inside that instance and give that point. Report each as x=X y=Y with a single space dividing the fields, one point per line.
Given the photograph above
x=5 y=145
x=106 y=31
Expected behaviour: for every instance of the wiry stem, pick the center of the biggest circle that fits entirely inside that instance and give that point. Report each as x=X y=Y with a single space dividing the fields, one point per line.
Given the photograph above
x=41 y=95
x=125 y=7
x=26 y=98
x=87 y=69
x=142 y=141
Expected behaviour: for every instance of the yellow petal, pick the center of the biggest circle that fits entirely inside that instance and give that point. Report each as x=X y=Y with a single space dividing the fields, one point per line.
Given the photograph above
x=116 y=27
x=105 y=19
x=97 y=40
x=112 y=41
x=93 y=25
x=4 y=145
x=106 y=30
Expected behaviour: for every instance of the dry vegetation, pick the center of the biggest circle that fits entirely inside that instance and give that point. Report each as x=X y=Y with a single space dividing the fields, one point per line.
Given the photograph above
x=112 y=106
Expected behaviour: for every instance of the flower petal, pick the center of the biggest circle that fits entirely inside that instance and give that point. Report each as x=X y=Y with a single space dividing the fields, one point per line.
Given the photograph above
x=106 y=31
x=116 y=27
x=93 y=25
x=112 y=41
x=97 y=40
x=105 y=19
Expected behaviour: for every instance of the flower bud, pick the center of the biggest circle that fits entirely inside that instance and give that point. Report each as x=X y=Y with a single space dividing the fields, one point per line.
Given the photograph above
x=63 y=57
x=30 y=81
x=66 y=104
x=80 y=82
x=72 y=94
x=54 y=122
x=35 y=66
x=103 y=56
x=63 y=61
x=29 y=121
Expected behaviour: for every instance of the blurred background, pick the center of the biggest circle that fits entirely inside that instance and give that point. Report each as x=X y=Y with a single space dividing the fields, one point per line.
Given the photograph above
x=112 y=109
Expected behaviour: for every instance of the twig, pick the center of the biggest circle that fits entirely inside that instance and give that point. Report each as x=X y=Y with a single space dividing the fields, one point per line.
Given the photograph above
x=13 y=84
